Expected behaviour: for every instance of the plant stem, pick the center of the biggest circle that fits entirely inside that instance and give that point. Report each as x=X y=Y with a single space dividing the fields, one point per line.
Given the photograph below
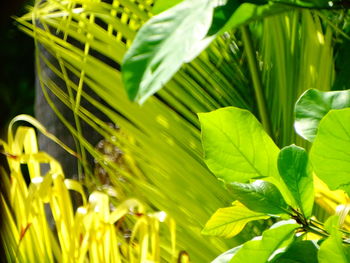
x=257 y=85
x=340 y=229
x=321 y=232
x=316 y=231
x=316 y=221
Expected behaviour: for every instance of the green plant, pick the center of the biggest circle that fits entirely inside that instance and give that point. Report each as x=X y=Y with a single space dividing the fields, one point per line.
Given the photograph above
x=237 y=150
x=163 y=135
x=100 y=230
x=182 y=32
x=162 y=138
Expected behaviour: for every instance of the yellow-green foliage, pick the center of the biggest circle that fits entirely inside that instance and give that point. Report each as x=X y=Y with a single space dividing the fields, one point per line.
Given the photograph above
x=95 y=232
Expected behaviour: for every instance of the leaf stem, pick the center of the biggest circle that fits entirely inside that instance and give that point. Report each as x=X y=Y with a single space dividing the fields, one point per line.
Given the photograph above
x=257 y=85
x=340 y=229
x=316 y=231
x=311 y=227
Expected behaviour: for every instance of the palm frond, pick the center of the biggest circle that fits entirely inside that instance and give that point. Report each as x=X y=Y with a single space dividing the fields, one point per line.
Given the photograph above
x=163 y=137
x=88 y=39
x=297 y=54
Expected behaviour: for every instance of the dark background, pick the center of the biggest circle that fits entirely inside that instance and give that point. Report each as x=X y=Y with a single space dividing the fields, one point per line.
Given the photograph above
x=17 y=66
x=16 y=74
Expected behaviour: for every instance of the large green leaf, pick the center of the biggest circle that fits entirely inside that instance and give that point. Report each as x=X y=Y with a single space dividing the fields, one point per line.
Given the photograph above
x=259 y=196
x=162 y=5
x=330 y=152
x=235 y=13
x=221 y=15
x=225 y=19
x=226 y=256
x=236 y=147
x=313 y=105
x=332 y=249
x=163 y=44
x=303 y=251
x=278 y=236
x=229 y=221
x=315 y=4
x=294 y=170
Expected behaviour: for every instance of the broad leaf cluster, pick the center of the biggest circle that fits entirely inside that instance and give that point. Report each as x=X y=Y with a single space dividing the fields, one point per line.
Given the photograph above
x=267 y=182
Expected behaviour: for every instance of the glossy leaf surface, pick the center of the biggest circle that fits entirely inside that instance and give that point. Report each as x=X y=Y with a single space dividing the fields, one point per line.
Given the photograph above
x=162 y=5
x=332 y=249
x=247 y=12
x=236 y=147
x=228 y=222
x=235 y=13
x=259 y=196
x=226 y=256
x=221 y=15
x=330 y=152
x=313 y=105
x=259 y=250
x=308 y=3
x=293 y=168
x=304 y=251
x=163 y=44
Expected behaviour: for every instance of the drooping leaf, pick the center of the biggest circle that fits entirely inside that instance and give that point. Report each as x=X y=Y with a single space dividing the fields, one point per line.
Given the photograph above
x=221 y=15
x=163 y=44
x=225 y=19
x=226 y=256
x=236 y=147
x=330 y=152
x=294 y=170
x=315 y=4
x=228 y=222
x=332 y=249
x=313 y=105
x=303 y=251
x=278 y=236
x=259 y=196
x=235 y=13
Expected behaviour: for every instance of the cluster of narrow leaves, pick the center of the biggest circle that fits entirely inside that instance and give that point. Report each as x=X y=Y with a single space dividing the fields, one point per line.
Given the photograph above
x=164 y=146
x=97 y=231
x=267 y=182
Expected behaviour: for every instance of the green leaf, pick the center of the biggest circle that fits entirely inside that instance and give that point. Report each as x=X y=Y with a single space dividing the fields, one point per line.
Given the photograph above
x=313 y=105
x=332 y=249
x=222 y=15
x=235 y=13
x=226 y=256
x=228 y=222
x=163 y=44
x=330 y=152
x=259 y=196
x=294 y=170
x=315 y=4
x=236 y=147
x=162 y=5
x=303 y=251
x=280 y=235
x=226 y=18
